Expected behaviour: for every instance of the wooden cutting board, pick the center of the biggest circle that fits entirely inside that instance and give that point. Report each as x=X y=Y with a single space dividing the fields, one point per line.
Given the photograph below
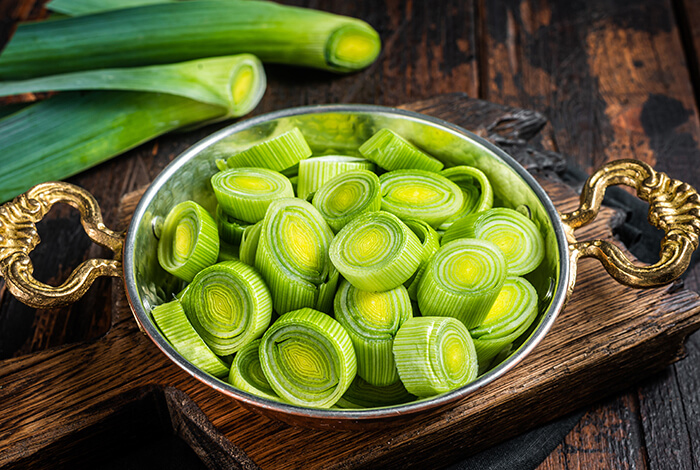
x=57 y=405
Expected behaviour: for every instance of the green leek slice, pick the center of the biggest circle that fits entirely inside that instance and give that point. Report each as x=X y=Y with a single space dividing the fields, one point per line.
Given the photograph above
x=326 y=291
x=189 y=241
x=476 y=188
x=230 y=230
x=236 y=83
x=434 y=355
x=308 y=358
x=392 y=152
x=228 y=305
x=376 y=252
x=277 y=153
x=348 y=195
x=372 y=320
x=173 y=323
x=362 y=394
x=292 y=254
x=515 y=234
x=462 y=281
x=430 y=240
x=317 y=171
x=246 y=372
x=510 y=316
x=245 y=193
x=228 y=252
x=249 y=243
x=419 y=194
x=172 y=32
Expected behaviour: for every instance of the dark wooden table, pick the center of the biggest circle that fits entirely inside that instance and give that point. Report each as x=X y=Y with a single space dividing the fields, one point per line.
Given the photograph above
x=616 y=79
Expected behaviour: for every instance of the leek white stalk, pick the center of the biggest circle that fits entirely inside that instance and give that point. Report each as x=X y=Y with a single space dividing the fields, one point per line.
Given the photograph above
x=230 y=229
x=189 y=241
x=246 y=372
x=430 y=240
x=317 y=171
x=462 y=280
x=278 y=153
x=308 y=358
x=434 y=355
x=476 y=188
x=372 y=320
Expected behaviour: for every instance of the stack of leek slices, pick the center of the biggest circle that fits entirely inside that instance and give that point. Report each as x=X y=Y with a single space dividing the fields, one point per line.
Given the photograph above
x=347 y=289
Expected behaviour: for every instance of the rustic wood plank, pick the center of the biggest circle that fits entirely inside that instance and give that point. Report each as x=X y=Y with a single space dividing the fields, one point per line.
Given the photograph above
x=598 y=345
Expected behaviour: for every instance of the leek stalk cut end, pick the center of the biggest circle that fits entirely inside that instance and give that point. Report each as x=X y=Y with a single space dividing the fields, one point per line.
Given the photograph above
x=353 y=47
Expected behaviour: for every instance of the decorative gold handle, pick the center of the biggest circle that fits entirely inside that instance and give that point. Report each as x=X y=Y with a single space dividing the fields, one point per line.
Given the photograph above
x=18 y=237
x=673 y=207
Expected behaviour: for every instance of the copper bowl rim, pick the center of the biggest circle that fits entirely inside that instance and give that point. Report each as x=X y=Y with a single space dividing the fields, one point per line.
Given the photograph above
x=308 y=416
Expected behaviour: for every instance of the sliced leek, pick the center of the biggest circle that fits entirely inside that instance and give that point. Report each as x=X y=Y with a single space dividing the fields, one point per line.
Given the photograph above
x=246 y=372
x=372 y=320
x=278 y=153
x=230 y=229
x=434 y=355
x=228 y=305
x=326 y=291
x=172 y=32
x=430 y=240
x=392 y=152
x=419 y=194
x=315 y=172
x=376 y=252
x=511 y=315
x=476 y=188
x=348 y=195
x=462 y=280
x=308 y=358
x=176 y=328
x=236 y=83
x=245 y=193
x=515 y=234
x=292 y=254
x=249 y=243
x=228 y=252
x=189 y=241
x=362 y=394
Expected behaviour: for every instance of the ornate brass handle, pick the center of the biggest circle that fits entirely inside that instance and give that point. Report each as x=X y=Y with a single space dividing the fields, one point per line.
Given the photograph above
x=18 y=237
x=674 y=207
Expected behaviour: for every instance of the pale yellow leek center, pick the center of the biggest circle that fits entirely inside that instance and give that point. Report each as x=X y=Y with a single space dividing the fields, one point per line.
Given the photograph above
x=420 y=195
x=504 y=303
x=242 y=84
x=303 y=244
x=374 y=308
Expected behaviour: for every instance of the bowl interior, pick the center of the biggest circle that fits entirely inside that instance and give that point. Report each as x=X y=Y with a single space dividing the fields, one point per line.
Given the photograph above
x=338 y=130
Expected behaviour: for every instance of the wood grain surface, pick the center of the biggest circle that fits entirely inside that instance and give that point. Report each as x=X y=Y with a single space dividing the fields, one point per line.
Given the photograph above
x=615 y=78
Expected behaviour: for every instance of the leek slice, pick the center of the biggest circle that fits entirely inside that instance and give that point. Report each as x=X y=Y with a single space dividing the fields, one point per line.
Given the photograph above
x=516 y=235
x=278 y=153
x=228 y=252
x=230 y=230
x=234 y=83
x=462 y=281
x=430 y=240
x=189 y=241
x=173 y=323
x=326 y=291
x=376 y=252
x=434 y=355
x=476 y=188
x=292 y=254
x=308 y=358
x=246 y=372
x=511 y=315
x=249 y=243
x=420 y=195
x=392 y=152
x=348 y=195
x=372 y=320
x=317 y=171
x=228 y=305
x=362 y=394
x=172 y=32
x=245 y=193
